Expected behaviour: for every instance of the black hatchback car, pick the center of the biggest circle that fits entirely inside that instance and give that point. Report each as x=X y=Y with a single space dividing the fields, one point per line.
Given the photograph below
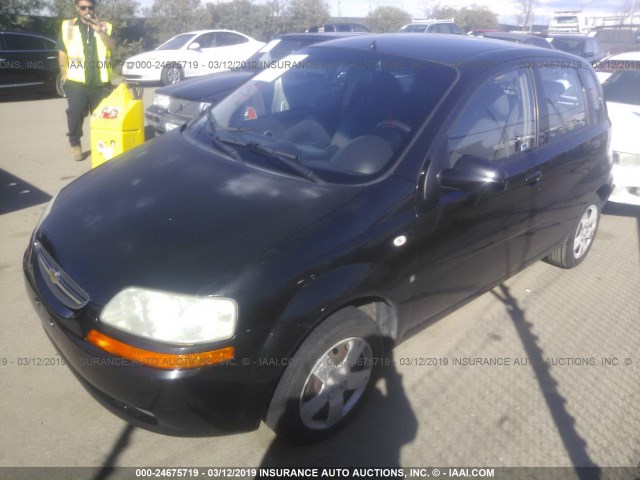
x=28 y=63
x=252 y=264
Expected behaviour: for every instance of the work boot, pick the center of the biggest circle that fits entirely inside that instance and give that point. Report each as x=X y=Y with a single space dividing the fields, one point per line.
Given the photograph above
x=76 y=152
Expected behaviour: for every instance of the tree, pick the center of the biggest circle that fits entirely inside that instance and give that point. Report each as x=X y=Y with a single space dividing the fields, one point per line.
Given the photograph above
x=168 y=18
x=387 y=19
x=301 y=14
x=476 y=17
x=14 y=14
x=526 y=12
x=257 y=20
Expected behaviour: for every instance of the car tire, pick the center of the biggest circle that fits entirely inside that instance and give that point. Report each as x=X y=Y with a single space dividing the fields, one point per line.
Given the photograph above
x=578 y=243
x=171 y=74
x=323 y=384
x=60 y=86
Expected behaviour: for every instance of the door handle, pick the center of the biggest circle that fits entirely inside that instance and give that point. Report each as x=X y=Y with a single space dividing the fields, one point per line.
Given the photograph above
x=533 y=178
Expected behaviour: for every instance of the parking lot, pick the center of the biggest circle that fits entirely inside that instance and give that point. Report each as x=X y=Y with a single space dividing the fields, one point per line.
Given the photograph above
x=543 y=370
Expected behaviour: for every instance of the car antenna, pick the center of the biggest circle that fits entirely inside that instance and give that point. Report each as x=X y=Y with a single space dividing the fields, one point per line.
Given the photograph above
x=373 y=46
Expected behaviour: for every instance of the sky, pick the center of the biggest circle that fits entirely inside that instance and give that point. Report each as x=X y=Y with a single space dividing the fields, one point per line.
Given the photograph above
x=506 y=9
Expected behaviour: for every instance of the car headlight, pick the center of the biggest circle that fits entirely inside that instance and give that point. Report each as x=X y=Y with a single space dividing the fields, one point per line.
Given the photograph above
x=46 y=212
x=627 y=159
x=162 y=101
x=171 y=317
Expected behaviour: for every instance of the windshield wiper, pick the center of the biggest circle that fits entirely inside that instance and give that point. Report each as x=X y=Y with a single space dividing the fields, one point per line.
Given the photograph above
x=289 y=160
x=218 y=142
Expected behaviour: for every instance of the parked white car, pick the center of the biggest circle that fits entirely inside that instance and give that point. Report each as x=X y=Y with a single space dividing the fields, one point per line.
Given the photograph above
x=622 y=94
x=191 y=54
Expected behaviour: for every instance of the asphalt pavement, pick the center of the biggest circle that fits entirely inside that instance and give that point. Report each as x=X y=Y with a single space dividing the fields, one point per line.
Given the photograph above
x=543 y=370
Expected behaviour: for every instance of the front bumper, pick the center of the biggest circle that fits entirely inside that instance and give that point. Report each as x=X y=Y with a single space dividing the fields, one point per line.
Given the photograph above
x=214 y=400
x=626 y=185
x=162 y=120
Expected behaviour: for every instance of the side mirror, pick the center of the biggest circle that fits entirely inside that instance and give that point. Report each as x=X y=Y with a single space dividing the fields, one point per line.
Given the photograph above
x=473 y=174
x=194 y=46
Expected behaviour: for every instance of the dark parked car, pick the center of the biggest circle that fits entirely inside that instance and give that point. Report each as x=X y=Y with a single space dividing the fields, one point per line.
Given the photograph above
x=175 y=104
x=28 y=63
x=338 y=27
x=618 y=39
x=517 y=37
x=252 y=264
x=581 y=45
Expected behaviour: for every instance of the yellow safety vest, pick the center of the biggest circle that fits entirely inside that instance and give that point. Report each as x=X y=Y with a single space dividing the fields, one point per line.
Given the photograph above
x=75 y=52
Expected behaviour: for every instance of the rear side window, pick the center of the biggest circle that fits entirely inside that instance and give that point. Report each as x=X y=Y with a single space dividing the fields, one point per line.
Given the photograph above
x=622 y=87
x=23 y=42
x=224 y=39
x=564 y=102
x=498 y=120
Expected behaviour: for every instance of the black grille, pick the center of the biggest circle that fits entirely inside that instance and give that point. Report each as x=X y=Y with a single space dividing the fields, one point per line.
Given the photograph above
x=62 y=286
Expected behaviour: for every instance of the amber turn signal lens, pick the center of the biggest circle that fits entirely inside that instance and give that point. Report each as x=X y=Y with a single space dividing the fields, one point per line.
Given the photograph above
x=165 y=361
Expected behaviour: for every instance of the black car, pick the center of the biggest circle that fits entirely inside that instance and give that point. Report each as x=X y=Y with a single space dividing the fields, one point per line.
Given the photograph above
x=175 y=104
x=28 y=64
x=338 y=27
x=517 y=37
x=253 y=264
x=583 y=46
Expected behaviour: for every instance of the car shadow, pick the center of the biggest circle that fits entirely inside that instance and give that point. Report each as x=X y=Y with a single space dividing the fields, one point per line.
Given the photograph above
x=108 y=466
x=16 y=194
x=374 y=437
x=574 y=444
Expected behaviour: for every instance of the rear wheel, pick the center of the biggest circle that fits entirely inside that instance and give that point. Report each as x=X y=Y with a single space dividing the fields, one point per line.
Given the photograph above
x=60 y=86
x=171 y=74
x=327 y=379
x=576 y=246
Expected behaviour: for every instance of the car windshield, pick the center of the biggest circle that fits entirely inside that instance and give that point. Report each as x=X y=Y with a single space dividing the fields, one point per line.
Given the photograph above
x=568 y=45
x=176 y=42
x=623 y=87
x=275 y=50
x=343 y=115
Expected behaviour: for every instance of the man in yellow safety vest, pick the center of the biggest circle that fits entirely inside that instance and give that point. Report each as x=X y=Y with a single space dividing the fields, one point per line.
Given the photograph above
x=84 y=54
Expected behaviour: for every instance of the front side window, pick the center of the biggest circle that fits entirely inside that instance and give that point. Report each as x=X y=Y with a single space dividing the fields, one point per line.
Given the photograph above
x=344 y=115
x=563 y=98
x=498 y=120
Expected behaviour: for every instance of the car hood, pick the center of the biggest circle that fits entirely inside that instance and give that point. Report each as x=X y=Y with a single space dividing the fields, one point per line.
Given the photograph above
x=209 y=88
x=172 y=216
x=625 y=120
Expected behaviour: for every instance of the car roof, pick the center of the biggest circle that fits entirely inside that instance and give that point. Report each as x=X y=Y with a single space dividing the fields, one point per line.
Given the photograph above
x=509 y=35
x=321 y=36
x=633 y=56
x=198 y=32
x=22 y=32
x=572 y=36
x=442 y=48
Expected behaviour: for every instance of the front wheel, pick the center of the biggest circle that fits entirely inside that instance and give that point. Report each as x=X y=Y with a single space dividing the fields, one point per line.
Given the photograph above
x=578 y=243
x=327 y=379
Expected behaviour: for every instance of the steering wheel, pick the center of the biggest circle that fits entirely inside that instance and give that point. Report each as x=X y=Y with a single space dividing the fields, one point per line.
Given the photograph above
x=393 y=124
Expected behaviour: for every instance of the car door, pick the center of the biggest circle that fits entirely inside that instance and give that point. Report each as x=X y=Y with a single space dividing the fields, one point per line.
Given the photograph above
x=573 y=149
x=27 y=61
x=479 y=197
x=200 y=55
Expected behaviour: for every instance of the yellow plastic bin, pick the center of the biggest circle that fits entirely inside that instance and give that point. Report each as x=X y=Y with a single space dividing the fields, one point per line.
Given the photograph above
x=117 y=125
